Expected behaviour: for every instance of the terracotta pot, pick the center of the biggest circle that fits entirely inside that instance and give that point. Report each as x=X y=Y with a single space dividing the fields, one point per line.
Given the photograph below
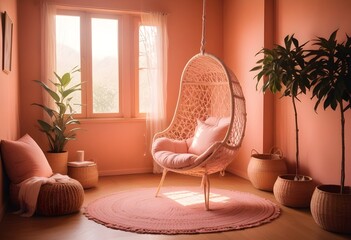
x=58 y=162
x=263 y=169
x=332 y=210
x=294 y=193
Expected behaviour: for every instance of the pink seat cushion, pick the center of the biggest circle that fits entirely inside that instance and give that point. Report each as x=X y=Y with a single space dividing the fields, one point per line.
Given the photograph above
x=175 y=160
x=177 y=154
x=206 y=135
x=24 y=159
x=172 y=153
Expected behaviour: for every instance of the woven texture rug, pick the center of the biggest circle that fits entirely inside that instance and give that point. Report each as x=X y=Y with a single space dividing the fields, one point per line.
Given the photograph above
x=181 y=210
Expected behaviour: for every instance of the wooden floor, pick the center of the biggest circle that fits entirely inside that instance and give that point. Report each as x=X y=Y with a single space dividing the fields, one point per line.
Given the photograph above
x=294 y=224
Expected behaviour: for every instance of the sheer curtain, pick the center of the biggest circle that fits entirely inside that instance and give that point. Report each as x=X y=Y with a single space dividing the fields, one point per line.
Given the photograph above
x=48 y=14
x=156 y=44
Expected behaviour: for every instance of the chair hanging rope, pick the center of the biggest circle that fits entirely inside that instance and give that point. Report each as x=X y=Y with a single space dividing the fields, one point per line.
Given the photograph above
x=203 y=40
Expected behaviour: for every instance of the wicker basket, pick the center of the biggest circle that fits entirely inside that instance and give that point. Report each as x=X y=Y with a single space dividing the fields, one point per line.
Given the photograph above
x=332 y=210
x=263 y=169
x=291 y=193
x=86 y=175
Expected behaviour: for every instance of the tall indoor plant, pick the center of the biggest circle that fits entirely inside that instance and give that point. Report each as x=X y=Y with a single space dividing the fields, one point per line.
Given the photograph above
x=59 y=127
x=286 y=70
x=331 y=82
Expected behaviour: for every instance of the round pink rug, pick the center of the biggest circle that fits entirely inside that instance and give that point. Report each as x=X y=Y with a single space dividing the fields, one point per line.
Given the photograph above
x=181 y=210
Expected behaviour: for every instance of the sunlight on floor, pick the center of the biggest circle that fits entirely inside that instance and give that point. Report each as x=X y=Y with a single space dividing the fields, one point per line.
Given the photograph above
x=187 y=198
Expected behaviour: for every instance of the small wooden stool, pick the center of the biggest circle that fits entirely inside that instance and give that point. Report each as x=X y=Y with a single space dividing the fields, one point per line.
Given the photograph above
x=86 y=175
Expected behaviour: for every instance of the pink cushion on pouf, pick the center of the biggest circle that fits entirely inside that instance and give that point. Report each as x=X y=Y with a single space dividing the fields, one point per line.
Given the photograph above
x=24 y=159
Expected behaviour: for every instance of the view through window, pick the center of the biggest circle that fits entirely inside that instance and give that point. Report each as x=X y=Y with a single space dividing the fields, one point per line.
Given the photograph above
x=96 y=43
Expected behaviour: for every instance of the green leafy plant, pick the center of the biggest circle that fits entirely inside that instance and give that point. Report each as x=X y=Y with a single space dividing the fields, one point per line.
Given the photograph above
x=61 y=114
x=285 y=66
x=331 y=81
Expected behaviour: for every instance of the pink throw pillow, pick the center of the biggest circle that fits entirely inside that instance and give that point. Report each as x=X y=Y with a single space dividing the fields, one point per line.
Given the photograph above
x=205 y=136
x=24 y=159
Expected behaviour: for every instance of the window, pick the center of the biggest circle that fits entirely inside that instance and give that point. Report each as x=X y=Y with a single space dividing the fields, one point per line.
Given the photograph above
x=107 y=48
x=68 y=50
x=105 y=67
x=147 y=39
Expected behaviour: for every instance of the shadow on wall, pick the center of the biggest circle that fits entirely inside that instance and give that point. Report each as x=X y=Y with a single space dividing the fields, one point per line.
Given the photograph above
x=4 y=189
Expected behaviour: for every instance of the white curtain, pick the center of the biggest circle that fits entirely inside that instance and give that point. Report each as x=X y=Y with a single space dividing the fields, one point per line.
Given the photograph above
x=48 y=63
x=156 y=44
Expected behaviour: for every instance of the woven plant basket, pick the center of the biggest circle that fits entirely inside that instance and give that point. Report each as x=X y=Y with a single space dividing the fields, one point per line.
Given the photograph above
x=58 y=162
x=264 y=168
x=291 y=193
x=87 y=175
x=332 y=210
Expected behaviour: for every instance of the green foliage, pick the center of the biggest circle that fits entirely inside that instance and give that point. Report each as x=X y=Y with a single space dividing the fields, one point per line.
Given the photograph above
x=331 y=81
x=58 y=130
x=332 y=72
x=284 y=68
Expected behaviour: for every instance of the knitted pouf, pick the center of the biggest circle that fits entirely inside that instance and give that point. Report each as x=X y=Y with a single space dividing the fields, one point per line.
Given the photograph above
x=55 y=199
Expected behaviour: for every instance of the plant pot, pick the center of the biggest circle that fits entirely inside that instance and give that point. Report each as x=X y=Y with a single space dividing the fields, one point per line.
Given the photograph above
x=294 y=193
x=332 y=210
x=263 y=169
x=58 y=162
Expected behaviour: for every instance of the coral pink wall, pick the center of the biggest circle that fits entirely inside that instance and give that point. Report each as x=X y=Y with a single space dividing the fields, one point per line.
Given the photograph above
x=9 y=93
x=117 y=145
x=320 y=133
x=251 y=25
x=244 y=34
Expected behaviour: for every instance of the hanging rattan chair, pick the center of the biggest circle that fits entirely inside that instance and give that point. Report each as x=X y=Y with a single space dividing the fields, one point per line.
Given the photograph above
x=211 y=95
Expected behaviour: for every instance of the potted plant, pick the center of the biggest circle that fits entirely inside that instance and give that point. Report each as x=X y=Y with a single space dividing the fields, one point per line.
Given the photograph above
x=58 y=128
x=285 y=66
x=331 y=81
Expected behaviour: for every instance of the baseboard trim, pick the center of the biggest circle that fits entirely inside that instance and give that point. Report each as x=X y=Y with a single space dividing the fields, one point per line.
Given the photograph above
x=239 y=173
x=242 y=174
x=124 y=171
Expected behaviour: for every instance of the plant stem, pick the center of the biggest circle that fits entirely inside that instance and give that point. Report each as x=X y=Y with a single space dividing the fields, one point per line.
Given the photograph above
x=296 y=139
x=342 y=184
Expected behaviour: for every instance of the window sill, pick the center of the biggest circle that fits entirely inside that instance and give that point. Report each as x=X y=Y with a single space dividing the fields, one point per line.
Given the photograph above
x=110 y=120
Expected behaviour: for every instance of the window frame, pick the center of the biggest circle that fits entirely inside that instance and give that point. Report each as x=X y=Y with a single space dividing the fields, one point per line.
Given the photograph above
x=137 y=26
x=128 y=50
